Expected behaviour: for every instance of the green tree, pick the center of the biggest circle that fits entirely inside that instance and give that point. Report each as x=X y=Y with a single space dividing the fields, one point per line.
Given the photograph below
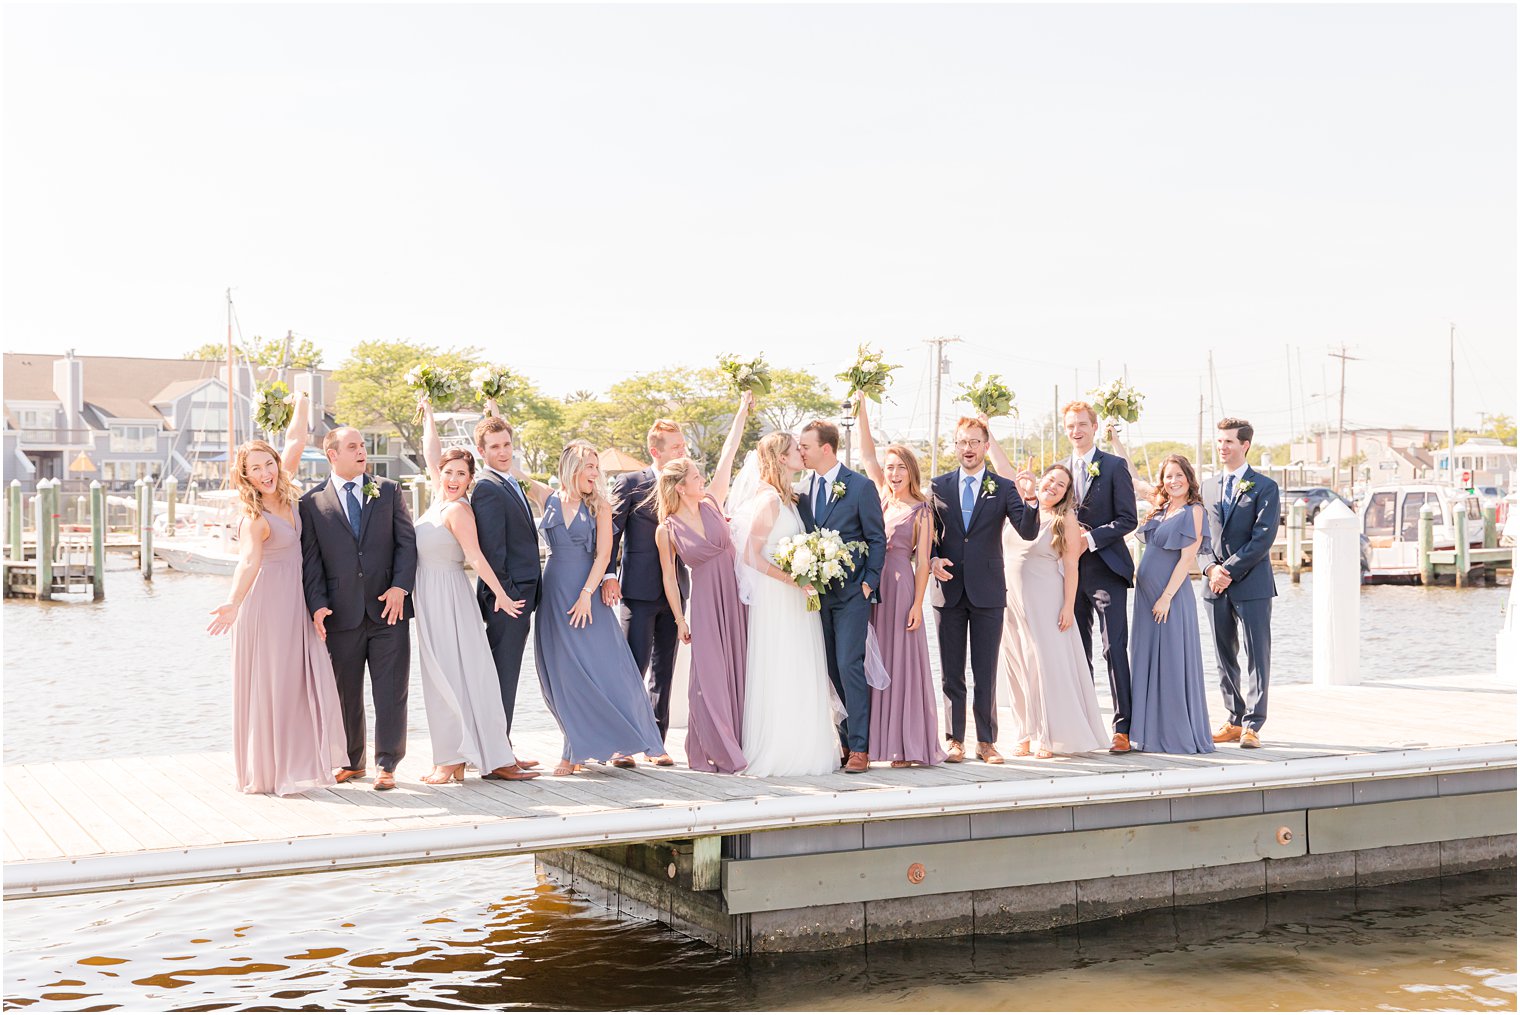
x=266 y=352
x=701 y=401
x=796 y=397
x=372 y=391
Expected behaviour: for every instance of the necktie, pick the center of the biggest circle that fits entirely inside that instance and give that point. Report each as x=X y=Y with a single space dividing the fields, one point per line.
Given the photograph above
x=352 y=500
x=818 y=499
x=521 y=497
x=1229 y=492
x=968 y=501
x=1079 y=473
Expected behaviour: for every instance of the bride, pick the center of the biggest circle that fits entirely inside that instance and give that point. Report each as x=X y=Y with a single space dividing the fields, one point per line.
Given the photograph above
x=789 y=705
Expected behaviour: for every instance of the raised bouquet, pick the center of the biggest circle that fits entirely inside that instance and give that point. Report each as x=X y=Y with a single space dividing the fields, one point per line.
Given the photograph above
x=991 y=398
x=868 y=374
x=490 y=382
x=1117 y=401
x=754 y=375
x=275 y=408
x=819 y=558
x=430 y=384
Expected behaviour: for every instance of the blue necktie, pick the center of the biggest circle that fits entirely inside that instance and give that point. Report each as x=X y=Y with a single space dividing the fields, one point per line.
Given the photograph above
x=517 y=489
x=968 y=501
x=352 y=500
x=1229 y=489
x=818 y=498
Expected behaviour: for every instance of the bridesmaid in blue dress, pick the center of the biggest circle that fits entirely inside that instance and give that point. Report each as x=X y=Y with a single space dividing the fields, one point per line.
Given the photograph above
x=588 y=676
x=1171 y=714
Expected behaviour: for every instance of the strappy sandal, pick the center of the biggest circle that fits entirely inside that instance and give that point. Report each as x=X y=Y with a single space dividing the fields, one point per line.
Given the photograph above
x=623 y=761
x=1023 y=750
x=902 y=764
x=442 y=775
x=1043 y=755
x=565 y=768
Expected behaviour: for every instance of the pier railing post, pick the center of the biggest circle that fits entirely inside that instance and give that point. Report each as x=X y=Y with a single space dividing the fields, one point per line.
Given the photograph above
x=16 y=519
x=145 y=527
x=1427 y=543
x=98 y=540
x=1296 y=513
x=1337 y=596
x=171 y=496
x=44 y=539
x=1490 y=527
x=1459 y=530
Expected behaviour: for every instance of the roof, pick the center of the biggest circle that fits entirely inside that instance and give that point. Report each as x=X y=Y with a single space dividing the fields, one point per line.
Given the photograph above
x=613 y=460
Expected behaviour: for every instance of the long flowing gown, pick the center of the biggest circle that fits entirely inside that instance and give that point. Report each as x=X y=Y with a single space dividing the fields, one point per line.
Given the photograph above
x=590 y=682
x=719 y=643
x=788 y=713
x=1170 y=708
x=287 y=725
x=1054 y=704
x=460 y=692
x=904 y=722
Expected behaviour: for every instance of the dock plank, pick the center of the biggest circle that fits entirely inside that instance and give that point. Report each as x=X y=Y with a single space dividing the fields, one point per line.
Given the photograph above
x=193 y=821
x=30 y=837
x=62 y=827
x=100 y=822
x=93 y=780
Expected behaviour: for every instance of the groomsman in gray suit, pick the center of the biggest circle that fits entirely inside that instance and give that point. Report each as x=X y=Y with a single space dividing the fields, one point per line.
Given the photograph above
x=1242 y=507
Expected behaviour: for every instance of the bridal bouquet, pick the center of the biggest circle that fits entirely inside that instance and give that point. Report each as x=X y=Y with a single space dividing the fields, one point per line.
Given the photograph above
x=1117 y=401
x=753 y=376
x=275 y=407
x=489 y=382
x=430 y=383
x=820 y=559
x=868 y=374
x=991 y=397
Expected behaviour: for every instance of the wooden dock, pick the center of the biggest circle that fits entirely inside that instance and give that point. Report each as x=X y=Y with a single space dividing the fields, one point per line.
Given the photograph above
x=81 y=826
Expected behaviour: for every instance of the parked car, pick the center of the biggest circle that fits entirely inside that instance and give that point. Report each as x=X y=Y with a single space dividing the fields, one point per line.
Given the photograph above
x=1317 y=496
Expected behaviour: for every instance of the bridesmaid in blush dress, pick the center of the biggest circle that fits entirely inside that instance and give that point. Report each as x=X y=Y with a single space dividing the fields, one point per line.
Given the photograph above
x=1171 y=712
x=287 y=727
x=590 y=682
x=694 y=533
x=904 y=722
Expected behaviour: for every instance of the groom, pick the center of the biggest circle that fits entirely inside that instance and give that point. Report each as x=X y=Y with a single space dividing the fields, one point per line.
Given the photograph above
x=848 y=503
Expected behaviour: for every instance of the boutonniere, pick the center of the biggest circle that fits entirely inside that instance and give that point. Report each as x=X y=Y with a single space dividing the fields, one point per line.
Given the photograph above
x=989 y=487
x=1246 y=486
x=1092 y=470
x=371 y=490
x=522 y=485
x=837 y=490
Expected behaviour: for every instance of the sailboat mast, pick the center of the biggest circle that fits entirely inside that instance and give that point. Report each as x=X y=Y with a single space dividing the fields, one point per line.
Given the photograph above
x=231 y=425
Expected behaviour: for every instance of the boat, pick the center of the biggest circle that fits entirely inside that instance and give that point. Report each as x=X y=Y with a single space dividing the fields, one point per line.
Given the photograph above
x=1390 y=516
x=205 y=540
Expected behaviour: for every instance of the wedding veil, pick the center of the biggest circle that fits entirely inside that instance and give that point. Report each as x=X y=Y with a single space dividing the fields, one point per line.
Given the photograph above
x=743 y=506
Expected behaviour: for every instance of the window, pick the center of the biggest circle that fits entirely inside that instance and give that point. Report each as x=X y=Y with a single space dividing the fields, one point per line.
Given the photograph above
x=125 y=473
x=209 y=421
x=377 y=444
x=1380 y=514
x=134 y=438
x=380 y=469
x=1410 y=526
x=37 y=419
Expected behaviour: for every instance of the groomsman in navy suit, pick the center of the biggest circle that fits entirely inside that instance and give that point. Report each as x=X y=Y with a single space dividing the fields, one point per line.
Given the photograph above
x=1106 y=511
x=970 y=506
x=847 y=502
x=1242 y=506
x=635 y=576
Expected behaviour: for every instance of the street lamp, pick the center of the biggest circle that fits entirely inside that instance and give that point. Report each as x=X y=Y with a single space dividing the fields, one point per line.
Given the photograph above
x=847 y=420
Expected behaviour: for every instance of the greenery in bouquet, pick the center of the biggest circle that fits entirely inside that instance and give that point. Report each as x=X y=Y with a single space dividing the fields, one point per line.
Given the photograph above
x=754 y=375
x=275 y=408
x=991 y=397
x=868 y=374
x=1117 y=401
x=431 y=384
x=490 y=382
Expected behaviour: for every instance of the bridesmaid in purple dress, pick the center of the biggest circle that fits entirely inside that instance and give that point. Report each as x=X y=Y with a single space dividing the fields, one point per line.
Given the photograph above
x=287 y=726
x=694 y=533
x=904 y=722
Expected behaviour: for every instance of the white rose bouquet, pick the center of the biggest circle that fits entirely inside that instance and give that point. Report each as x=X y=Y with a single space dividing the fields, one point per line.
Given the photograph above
x=431 y=384
x=868 y=374
x=754 y=376
x=275 y=408
x=819 y=559
x=489 y=382
x=1117 y=401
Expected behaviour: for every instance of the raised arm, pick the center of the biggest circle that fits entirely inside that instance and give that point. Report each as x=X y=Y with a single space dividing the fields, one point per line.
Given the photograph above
x=1024 y=518
x=723 y=474
x=1001 y=463
x=432 y=447
x=459 y=519
x=866 y=442
x=539 y=492
x=295 y=438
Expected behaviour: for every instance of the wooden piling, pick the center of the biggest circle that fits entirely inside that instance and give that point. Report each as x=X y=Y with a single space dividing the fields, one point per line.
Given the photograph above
x=171 y=495
x=98 y=540
x=44 y=539
x=1297 y=511
x=1459 y=528
x=145 y=528
x=16 y=519
x=1490 y=527
x=1427 y=543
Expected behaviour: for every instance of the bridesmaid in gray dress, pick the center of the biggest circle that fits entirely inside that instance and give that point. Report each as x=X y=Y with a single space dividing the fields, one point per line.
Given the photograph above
x=694 y=533
x=466 y=723
x=589 y=679
x=1171 y=714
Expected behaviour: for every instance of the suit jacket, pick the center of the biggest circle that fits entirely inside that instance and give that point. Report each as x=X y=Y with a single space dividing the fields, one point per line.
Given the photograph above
x=1240 y=535
x=857 y=517
x=975 y=552
x=508 y=539
x=1108 y=511
x=348 y=575
x=635 y=557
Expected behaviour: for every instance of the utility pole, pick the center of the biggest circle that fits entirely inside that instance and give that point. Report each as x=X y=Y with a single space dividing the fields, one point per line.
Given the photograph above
x=1340 y=431
x=1451 y=418
x=1213 y=412
x=938 y=367
x=1292 y=434
x=231 y=396
x=1198 y=447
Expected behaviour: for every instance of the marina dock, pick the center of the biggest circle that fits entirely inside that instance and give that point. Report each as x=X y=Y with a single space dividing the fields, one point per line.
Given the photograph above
x=1386 y=780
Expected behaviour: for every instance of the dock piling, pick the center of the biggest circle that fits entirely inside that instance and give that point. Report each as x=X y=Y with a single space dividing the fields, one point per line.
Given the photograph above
x=98 y=540
x=44 y=501
x=16 y=520
x=171 y=496
x=1337 y=596
x=1296 y=513
x=1459 y=529
x=145 y=527
x=1427 y=543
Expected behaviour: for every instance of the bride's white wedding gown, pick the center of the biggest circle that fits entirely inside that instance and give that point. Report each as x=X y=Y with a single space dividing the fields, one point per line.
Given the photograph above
x=788 y=711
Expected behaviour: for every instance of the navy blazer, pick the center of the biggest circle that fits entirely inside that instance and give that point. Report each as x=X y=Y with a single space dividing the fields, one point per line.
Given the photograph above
x=635 y=556
x=1108 y=512
x=508 y=538
x=857 y=517
x=1241 y=534
x=348 y=575
x=975 y=553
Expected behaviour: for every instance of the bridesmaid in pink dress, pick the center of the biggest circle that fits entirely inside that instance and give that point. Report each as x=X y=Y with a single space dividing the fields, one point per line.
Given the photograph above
x=904 y=721
x=287 y=729
x=693 y=532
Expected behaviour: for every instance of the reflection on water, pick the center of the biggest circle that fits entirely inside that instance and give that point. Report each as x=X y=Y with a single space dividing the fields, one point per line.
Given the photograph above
x=426 y=938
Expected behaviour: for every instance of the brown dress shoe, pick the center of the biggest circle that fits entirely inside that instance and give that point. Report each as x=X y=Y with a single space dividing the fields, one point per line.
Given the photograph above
x=1120 y=744
x=857 y=763
x=345 y=774
x=1227 y=734
x=955 y=753
x=509 y=773
x=1248 y=738
x=385 y=780
x=988 y=753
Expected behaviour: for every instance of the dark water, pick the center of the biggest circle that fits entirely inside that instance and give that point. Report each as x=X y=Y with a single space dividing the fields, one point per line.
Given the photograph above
x=484 y=934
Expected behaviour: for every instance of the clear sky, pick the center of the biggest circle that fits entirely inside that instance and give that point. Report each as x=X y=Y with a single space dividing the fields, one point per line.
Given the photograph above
x=587 y=192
